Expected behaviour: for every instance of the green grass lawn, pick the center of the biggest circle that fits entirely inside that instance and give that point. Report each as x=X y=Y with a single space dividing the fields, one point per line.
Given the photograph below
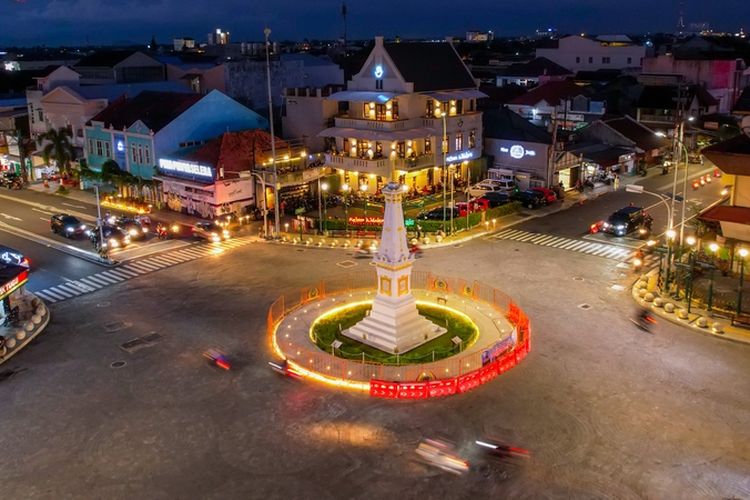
x=326 y=331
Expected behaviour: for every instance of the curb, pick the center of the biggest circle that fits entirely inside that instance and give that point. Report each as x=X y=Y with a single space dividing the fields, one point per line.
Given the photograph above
x=16 y=347
x=690 y=322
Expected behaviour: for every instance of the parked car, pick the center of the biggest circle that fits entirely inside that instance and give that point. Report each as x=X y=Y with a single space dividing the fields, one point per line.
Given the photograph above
x=66 y=225
x=210 y=231
x=549 y=195
x=491 y=185
x=437 y=214
x=626 y=220
x=496 y=198
x=132 y=228
x=475 y=205
x=528 y=198
x=114 y=237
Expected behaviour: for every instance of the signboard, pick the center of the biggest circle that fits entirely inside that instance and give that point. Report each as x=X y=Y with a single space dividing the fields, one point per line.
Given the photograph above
x=10 y=257
x=460 y=156
x=185 y=168
x=372 y=220
x=378 y=71
x=409 y=223
x=517 y=151
x=14 y=283
x=118 y=146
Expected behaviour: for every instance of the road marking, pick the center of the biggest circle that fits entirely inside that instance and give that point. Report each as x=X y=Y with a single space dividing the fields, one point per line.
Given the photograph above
x=92 y=282
x=54 y=293
x=9 y=217
x=43 y=212
x=71 y=205
x=110 y=274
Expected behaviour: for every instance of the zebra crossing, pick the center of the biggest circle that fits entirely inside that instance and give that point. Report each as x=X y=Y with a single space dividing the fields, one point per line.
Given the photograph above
x=603 y=250
x=133 y=269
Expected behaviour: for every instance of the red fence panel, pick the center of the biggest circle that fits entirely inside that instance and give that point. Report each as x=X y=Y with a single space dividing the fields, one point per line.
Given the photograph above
x=381 y=389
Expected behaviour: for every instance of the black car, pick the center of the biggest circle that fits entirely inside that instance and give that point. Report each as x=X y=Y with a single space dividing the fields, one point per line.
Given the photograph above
x=627 y=220
x=66 y=225
x=114 y=237
x=437 y=214
x=132 y=228
x=496 y=198
x=529 y=198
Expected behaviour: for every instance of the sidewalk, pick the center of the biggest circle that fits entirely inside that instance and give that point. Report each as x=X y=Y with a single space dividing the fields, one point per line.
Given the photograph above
x=33 y=319
x=646 y=294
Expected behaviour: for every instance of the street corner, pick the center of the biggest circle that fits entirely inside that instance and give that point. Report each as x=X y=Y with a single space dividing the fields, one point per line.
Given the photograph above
x=29 y=316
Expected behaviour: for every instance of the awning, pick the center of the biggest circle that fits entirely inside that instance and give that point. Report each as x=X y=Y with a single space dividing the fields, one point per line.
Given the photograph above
x=448 y=95
x=363 y=96
x=377 y=135
x=185 y=182
x=723 y=213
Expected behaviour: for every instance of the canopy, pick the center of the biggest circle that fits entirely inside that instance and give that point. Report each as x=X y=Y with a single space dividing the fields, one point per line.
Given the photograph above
x=363 y=96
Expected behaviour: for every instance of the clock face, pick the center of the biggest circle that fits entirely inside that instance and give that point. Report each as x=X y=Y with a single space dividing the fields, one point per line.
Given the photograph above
x=517 y=152
x=120 y=146
x=378 y=71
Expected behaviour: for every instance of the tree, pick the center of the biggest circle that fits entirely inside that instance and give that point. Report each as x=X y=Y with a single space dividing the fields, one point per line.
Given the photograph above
x=56 y=144
x=112 y=173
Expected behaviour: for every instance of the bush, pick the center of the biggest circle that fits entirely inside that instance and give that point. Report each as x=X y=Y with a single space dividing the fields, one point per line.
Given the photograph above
x=62 y=190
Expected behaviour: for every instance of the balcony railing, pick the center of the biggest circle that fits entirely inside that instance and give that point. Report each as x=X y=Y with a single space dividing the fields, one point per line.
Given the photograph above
x=387 y=126
x=291 y=177
x=379 y=166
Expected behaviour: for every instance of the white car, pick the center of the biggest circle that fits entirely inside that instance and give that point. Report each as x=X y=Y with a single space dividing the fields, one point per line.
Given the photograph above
x=490 y=186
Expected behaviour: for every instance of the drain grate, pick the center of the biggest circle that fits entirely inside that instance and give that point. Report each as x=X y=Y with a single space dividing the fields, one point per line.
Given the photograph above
x=139 y=343
x=346 y=264
x=117 y=364
x=577 y=278
x=115 y=326
x=584 y=306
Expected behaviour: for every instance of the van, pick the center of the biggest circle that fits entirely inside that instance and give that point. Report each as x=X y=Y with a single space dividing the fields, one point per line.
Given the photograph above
x=491 y=186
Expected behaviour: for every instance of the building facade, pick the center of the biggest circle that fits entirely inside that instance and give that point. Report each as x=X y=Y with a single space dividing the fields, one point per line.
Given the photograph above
x=582 y=53
x=564 y=103
x=405 y=98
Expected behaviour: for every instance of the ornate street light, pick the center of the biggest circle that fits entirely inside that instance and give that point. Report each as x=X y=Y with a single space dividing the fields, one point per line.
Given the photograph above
x=743 y=252
x=345 y=189
x=714 y=247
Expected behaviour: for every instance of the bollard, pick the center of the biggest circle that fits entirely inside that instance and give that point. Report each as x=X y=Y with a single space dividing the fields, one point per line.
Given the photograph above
x=20 y=335
x=702 y=322
x=669 y=307
x=649 y=297
x=682 y=313
x=717 y=328
x=10 y=342
x=642 y=292
x=36 y=319
x=29 y=326
x=658 y=302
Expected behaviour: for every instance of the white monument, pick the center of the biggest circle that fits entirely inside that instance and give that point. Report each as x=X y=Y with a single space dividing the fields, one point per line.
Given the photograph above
x=394 y=325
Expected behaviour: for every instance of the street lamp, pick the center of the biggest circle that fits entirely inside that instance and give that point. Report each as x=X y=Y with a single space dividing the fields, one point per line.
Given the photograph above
x=345 y=189
x=714 y=247
x=277 y=220
x=680 y=144
x=670 y=234
x=743 y=252
x=363 y=188
x=690 y=240
x=444 y=148
x=324 y=225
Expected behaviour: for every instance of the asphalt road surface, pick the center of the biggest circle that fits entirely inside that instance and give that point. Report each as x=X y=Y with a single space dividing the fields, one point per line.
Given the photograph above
x=606 y=410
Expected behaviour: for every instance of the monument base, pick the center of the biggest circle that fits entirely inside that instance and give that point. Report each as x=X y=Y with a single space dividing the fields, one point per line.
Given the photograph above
x=394 y=327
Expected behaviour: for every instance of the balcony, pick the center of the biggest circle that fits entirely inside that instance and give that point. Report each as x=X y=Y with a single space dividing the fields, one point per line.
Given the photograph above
x=466 y=121
x=412 y=164
x=294 y=176
x=381 y=166
x=385 y=126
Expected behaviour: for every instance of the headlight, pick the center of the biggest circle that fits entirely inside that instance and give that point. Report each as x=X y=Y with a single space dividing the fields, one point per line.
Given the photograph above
x=637 y=262
x=126 y=239
x=620 y=226
x=83 y=227
x=225 y=233
x=215 y=238
x=113 y=243
x=69 y=229
x=606 y=224
x=145 y=230
x=133 y=232
x=175 y=228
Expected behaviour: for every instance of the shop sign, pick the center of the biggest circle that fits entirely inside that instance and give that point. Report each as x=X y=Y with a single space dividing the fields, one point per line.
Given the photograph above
x=12 y=258
x=185 y=168
x=378 y=71
x=13 y=284
x=517 y=151
x=372 y=220
x=463 y=155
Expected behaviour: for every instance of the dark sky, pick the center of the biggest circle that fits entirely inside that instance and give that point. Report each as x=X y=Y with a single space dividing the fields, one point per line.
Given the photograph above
x=55 y=22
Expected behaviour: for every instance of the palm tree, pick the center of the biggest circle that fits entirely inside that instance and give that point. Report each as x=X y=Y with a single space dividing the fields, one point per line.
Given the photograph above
x=112 y=173
x=58 y=146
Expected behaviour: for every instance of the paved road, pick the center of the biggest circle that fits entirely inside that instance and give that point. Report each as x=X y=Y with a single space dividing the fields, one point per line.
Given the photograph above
x=606 y=410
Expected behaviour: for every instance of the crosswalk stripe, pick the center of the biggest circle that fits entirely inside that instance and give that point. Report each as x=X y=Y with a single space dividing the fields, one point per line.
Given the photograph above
x=111 y=275
x=525 y=238
x=562 y=243
x=142 y=265
x=161 y=260
x=125 y=273
x=549 y=239
x=168 y=259
x=103 y=277
x=538 y=238
x=48 y=297
x=68 y=288
x=194 y=254
x=55 y=294
x=136 y=268
x=92 y=283
x=152 y=263
x=505 y=232
x=575 y=247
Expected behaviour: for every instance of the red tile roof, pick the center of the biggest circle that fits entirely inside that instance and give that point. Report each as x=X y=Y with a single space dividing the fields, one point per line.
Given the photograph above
x=551 y=92
x=236 y=151
x=738 y=215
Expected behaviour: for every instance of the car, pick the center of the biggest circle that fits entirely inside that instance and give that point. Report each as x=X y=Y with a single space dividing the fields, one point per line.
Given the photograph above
x=626 y=220
x=496 y=198
x=442 y=455
x=491 y=185
x=437 y=214
x=132 y=227
x=475 y=205
x=114 y=237
x=66 y=225
x=210 y=231
x=549 y=195
x=528 y=198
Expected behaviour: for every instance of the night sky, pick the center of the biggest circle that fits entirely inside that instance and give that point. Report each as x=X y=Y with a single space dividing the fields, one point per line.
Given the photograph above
x=55 y=22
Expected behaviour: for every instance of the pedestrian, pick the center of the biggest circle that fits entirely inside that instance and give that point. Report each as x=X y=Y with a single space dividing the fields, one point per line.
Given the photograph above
x=616 y=182
x=419 y=231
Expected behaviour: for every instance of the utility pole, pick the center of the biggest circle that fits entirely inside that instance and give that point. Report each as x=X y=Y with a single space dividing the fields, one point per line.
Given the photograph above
x=277 y=225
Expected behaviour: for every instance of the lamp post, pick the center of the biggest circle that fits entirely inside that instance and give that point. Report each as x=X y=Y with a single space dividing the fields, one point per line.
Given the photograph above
x=277 y=220
x=324 y=187
x=345 y=189
x=444 y=148
x=743 y=252
x=670 y=234
x=680 y=144
x=714 y=247
x=690 y=240
x=453 y=177
x=363 y=189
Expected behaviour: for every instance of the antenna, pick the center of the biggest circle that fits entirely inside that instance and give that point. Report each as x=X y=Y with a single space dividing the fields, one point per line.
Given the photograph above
x=343 y=18
x=681 y=19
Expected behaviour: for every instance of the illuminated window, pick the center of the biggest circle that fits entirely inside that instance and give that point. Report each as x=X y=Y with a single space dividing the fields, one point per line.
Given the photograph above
x=452 y=109
x=459 y=141
x=430 y=107
x=428 y=145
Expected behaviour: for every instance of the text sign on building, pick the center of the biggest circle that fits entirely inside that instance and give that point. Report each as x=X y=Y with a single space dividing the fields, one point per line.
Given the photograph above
x=358 y=220
x=13 y=283
x=119 y=149
x=185 y=168
x=461 y=156
x=517 y=151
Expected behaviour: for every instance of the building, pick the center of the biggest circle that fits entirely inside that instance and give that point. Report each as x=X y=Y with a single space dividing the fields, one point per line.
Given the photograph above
x=530 y=74
x=566 y=103
x=733 y=158
x=13 y=127
x=119 y=66
x=396 y=110
x=183 y=44
x=660 y=106
x=742 y=106
x=578 y=53
x=200 y=73
x=135 y=132
x=699 y=61
x=477 y=36
x=218 y=37
x=307 y=111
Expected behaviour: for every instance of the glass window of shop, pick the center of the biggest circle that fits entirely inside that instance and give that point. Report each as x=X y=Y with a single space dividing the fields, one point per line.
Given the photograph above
x=427 y=145
x=430 y=107
x=459 y=141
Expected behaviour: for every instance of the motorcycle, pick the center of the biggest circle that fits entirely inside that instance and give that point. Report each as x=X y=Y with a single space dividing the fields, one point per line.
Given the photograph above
x=161 y=231
x=218 y=359
x=644 y=321
x=416 y=251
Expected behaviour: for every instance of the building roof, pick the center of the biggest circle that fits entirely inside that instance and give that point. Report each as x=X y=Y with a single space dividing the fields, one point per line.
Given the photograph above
x=189 y=60
x=112 y=92
x=643 y=137
x=234 y=151
x=105 y=58
x=731 y=156
x=430 y=65
x=723 y=213
x=602 y=154
x=666 y=96
x=155 y=109
x=541 y=66
x=742 y=106
x=551 y=92
x=307 y=59
x=502 y=123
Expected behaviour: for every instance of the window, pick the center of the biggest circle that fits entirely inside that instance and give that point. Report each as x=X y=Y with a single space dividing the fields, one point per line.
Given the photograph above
x=630 y=60
x=471 y=105
x=452 y=109
x=606 y=60
x=98 y=148
x=107 y=149
x=31 y=113
x=591 y=60
x=369 y=110
x=394 y=111
x=430 y=107
x=472 y=139
x=133 y=154
x=40 y=115
x=91 y=146
x=380 y=112
x=427 y=145
x=401 y=149
x=146 y=155
x=460 y=106
x=378 y=84
x=578 y=60
x=459 y=141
